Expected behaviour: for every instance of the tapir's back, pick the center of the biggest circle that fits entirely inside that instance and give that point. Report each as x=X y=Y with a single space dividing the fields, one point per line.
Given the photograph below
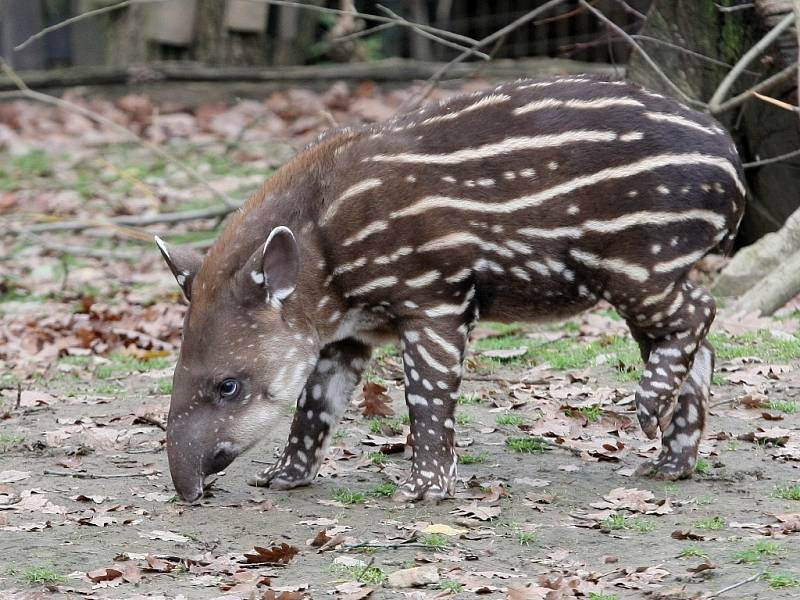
x=524 y=185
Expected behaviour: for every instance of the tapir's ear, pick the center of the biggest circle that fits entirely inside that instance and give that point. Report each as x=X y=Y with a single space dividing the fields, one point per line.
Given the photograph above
x=276 y=265
x=183 y=262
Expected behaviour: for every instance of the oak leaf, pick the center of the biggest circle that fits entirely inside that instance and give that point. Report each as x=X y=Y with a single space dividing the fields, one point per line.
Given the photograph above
x=276 y=555
x=375 y=401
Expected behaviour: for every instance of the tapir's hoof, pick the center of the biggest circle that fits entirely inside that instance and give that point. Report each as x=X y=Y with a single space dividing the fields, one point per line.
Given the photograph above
x=411 y=491
x=276 y=481
x=665 y=470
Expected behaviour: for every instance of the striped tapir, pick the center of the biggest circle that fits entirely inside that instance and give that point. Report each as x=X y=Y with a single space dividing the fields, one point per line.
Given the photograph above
x=529 y=201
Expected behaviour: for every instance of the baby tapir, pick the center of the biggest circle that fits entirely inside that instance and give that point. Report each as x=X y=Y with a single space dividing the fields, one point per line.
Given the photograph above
x=530 y=201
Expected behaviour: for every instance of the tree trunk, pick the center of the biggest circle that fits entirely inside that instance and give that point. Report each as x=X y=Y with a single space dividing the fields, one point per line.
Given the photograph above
x=761 y=130
x=774 y=290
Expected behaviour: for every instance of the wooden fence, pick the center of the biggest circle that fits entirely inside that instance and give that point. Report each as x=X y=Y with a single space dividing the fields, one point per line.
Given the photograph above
x=249 y=32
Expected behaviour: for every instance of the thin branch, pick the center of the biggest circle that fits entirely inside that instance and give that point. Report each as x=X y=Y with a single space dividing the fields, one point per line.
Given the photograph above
x=776 y=102
x=567 y=15
x=437 y=76
x=642 y=53
x=79 y=475
x=630 y=10
x=728 y=9
x=364 y=32
x=85 y=15
x=97 y=118
x=750 y=579
x=430 y=36
x=768 y=83
x=748 y=57
x=135 y=220
x=769 y=161
x=655 y=40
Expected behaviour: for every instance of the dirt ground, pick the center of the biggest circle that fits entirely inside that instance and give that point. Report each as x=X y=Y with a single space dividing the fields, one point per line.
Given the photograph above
x=102 y=491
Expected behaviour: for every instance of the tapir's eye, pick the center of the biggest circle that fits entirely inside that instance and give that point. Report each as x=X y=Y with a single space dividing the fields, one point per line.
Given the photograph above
x=229 y=388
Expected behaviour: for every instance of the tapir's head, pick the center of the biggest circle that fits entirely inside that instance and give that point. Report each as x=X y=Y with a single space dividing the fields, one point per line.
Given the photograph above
x=247 y=351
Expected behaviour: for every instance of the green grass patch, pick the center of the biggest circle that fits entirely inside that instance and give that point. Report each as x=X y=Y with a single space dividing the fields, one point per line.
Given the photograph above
x=693 y=551
x=381 y=425
x=526 y=538
x=618 y=521
x=383 y=490
x=369 y=574
x=435 y=541
x=591 y=413
x=781 y=580
x=464 y=419
x=702 y=466
x=526 y=445
x=348 y=496
x=452 y=587
x=565 y=353
x=757 y=552
x=510 y=420
x=713 y=523
x=9 y=441
x=377 y=458
x=758 y=343
x=469 y=399
x=788 y=492
x=467 y=458
x=785 y=406
x=165 y=387
x=120 y=363
x=41 y=576
x=602 y=596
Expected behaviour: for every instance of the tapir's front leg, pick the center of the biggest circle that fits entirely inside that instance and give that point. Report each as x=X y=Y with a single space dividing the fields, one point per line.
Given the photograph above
x=320 y=406
x=433 y=352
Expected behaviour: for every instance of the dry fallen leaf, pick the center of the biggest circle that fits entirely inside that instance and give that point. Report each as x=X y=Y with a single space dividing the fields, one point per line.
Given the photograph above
x=375 y=401
x=276 y=555
x=477 y=511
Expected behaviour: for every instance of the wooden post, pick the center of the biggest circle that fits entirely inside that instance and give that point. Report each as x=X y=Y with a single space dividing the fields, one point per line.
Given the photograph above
x=249 y=16
x=172 y=22
x=18 y=21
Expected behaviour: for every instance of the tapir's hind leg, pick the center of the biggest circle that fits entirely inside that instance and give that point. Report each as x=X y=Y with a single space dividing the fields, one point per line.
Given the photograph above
x=681 y=439
x=319 y=408
x=670 y=325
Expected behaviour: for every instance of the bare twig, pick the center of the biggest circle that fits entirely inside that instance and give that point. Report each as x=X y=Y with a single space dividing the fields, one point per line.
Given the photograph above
x=364 y=32
x=566 y=15
x=748 y=57
x=750 y=579
x=768 y=83
x=773 y=159
x=616 y=28
x=79 y=475
x=97 y=118
x=677 y=47
x=85 y=15
x=430 y=36
x=728 y=9
x=797 y=34
x=776 y=102
x=630 y=10
x=134 y=220
x=500 y=33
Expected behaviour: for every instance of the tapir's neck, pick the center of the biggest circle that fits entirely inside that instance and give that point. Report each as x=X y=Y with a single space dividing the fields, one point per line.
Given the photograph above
x=293 y=197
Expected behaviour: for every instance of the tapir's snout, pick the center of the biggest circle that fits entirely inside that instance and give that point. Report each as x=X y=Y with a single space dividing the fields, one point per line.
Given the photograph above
x=193 y=457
